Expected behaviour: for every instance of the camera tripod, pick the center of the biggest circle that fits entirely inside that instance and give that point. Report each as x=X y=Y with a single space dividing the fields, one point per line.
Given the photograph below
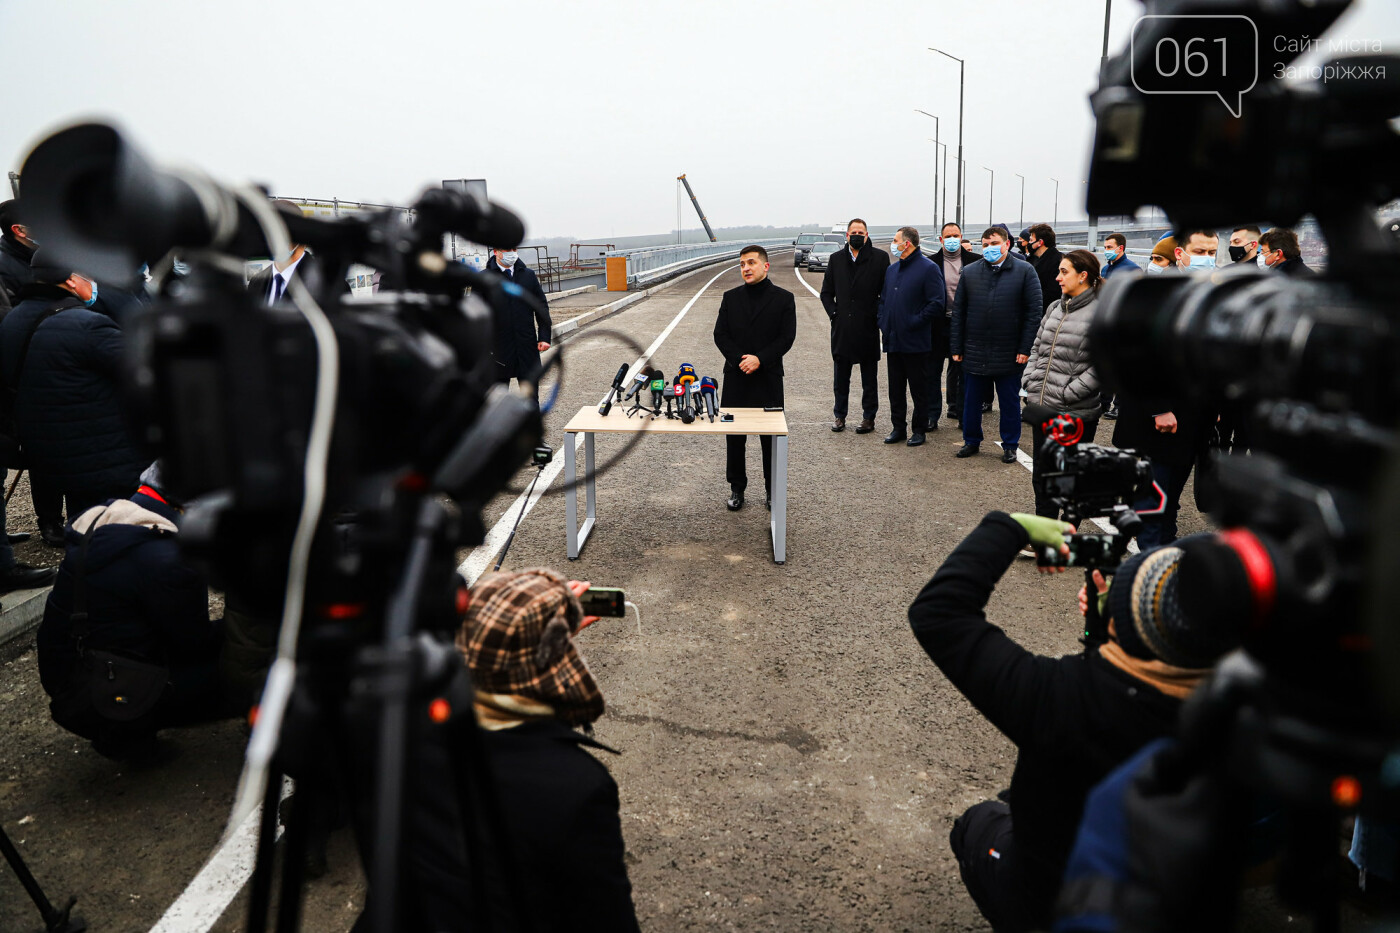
x=370 y=714
x=55 y=920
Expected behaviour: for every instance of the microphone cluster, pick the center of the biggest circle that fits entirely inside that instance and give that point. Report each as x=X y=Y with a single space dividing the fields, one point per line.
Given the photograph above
x=687 y=397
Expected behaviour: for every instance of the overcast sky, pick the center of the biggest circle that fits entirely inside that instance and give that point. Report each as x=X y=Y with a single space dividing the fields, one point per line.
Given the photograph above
x=579 y=114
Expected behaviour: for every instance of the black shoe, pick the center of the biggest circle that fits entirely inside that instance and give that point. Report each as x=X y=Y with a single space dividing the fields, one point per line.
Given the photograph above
x=954 y=414
x=895 y=436
x=19 y=537
x=768 y=501
x=968 y=450
x=1112 y=413
x=986 y=407
x=839 y=426
x=735 y=501
x=916 y=439
x=1008 y=455
x=25 y=577
x=51 y=532
x=931 y=426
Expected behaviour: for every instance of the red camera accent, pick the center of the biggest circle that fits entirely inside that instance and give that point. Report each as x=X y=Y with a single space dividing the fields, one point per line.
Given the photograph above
x=1065 y=429
x=1259 y=569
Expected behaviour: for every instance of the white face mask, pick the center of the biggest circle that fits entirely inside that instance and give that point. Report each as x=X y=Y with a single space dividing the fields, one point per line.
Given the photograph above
x=508 y=258
x=1260 y=259
x=1154 y=269
x=895 y=248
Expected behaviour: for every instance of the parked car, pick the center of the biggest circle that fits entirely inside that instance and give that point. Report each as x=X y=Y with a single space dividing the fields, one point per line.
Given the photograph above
x=834 y=238
x=821 y=254
x=802 y=246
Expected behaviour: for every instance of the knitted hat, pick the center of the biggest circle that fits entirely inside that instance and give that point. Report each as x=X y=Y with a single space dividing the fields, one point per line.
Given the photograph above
x=1149 y=621
x=518 y=639
x=1025 y=234
x=46 y=272
x=1166 y=246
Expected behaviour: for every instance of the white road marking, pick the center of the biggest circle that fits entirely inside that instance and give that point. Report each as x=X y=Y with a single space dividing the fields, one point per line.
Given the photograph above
x=481 y=557
x=797 y=271
x=219 y=881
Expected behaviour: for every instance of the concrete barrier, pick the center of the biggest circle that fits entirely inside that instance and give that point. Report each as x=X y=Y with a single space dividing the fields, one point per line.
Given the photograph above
x=21 y=611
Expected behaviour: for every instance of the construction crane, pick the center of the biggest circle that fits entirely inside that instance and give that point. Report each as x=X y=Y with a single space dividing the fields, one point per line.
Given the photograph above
x=711 y=233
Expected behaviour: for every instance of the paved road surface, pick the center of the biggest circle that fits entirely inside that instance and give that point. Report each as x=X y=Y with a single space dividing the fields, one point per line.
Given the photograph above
x=791 y=760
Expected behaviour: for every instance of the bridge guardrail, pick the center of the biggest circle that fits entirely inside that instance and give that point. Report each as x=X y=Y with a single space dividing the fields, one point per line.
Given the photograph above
x=649 y=264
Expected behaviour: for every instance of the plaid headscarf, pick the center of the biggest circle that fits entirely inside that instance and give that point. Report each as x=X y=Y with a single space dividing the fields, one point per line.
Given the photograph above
x=517 y=639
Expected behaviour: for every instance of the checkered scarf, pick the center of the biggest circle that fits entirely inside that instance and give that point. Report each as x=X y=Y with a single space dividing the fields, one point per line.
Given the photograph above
x=517 y=639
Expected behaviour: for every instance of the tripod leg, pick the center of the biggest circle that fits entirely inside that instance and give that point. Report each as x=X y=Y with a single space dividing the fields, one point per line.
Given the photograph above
x=260 y=892
x=294 y=860
x=55 y=921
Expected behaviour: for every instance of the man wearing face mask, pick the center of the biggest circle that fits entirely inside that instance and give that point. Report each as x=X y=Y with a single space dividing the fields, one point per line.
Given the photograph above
x=1195 y=251
x=1115 y=256
x=60 y=362
x=1280 y=252
x=1046 y=259
x=851 y=296
x=1163 y=256
x=16 y=251
x=1244 y=244
x=951 y=258
x=912 y=300
x=523 y=329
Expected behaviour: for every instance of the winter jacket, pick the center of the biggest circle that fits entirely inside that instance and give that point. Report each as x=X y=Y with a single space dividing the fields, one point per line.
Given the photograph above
x=1294 y=268
x=144 y=600
x=1060 y=372
x=851 y=296
x=913 y=297
x=1073 y=719
x=1123 y=265
x=68 y=411
x=995 y=315
x=1047 y=267
x=519 y=328
x=15 y=272
x=755 y=320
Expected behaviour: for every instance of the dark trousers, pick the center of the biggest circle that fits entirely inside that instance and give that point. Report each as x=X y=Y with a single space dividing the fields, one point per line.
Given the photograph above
x=1161 y=529
x=735 y=469
x=909 y=369
x=869 y=387
x=1043 y=506
x=47 y=497
x=978 y=389
x=935 y=372
x=7 y=553
x=985 y=848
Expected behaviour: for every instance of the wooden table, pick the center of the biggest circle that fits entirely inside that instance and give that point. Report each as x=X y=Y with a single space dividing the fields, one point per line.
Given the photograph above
x=746 y=421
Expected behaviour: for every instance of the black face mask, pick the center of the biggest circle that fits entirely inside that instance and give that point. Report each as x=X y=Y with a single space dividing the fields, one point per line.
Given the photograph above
x=1237 y=253
x=857 y=241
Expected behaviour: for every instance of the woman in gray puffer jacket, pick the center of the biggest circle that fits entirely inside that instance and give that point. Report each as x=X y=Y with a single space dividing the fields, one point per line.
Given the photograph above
x=1059 y=376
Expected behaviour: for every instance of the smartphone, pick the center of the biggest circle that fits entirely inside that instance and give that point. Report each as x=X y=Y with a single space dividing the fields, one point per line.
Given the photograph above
x=726 y=417
x=772 y=408
x=604 y=601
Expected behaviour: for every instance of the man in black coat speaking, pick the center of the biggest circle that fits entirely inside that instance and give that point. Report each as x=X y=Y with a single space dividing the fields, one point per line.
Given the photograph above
x=757 y=324
x=851 y=290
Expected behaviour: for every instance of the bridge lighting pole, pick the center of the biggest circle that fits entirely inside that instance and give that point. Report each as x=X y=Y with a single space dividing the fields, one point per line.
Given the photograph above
x=1022 y=222
x=991 y=190
x=1057 y=201
x=935 y=162
x=962 y=74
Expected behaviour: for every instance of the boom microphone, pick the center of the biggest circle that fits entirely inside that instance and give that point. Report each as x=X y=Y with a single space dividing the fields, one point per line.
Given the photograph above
x=606 y=407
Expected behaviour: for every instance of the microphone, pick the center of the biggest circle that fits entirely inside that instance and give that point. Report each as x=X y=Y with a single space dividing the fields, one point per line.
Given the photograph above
x=709 y=389
x=639 y=382
x=695 y=401
x=658 y=390
x=606 y=407
x=683 y=403
x=686 y=374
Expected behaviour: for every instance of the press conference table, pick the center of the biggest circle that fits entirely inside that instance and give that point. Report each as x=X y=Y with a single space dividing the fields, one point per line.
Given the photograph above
x=746 y=421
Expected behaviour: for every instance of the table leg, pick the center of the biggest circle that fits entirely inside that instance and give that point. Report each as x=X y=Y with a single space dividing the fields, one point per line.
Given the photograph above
x=778 y=522
x=570 y=497
x=590 y=492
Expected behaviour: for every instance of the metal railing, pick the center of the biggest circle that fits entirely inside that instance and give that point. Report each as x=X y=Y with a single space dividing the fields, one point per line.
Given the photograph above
x=650 y=263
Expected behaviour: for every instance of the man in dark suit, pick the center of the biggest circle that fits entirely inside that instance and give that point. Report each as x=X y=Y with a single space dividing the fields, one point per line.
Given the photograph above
x=272 y=280
x=1046 y=259
x=851 y=290
x=757 y=324
x=522 y=331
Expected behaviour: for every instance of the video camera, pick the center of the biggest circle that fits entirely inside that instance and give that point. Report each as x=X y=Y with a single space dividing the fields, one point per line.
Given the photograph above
x=1313 y=363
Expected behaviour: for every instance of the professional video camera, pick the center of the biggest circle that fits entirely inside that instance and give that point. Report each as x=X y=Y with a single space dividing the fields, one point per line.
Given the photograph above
x=1313 y=361
x=315 y=444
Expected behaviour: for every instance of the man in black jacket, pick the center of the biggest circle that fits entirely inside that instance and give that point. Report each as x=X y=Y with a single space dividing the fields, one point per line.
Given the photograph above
x=16 y=251
x=952 y=257
x=755 y=327
x=63 y=363
x=1279 y=247
x=1046 y=259
x=851 y=296
x=1073 y=719
x=522 y=331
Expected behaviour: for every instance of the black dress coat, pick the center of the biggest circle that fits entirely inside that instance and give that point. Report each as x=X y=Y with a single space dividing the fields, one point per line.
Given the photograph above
x=15 y=272
x=757 y=320
x=519 y=329
x=309 y=270
x=1047 y=267
x=851 y=296
x=1136 y=428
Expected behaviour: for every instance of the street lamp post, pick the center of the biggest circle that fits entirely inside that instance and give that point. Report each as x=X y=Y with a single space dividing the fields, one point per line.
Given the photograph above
x=991 y=190
x=962 y=73
x=1022 y=222
x=1057 y=201
x=935 y=162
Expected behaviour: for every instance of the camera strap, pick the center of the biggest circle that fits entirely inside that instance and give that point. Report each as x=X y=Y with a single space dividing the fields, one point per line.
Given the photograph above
x=79 y=624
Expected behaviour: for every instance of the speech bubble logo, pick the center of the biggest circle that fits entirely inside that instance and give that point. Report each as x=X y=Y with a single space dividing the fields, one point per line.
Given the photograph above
x=1189 y=53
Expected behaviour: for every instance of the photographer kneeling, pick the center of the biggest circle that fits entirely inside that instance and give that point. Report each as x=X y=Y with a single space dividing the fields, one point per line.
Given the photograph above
x=127 y=647
x=1073 y=719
